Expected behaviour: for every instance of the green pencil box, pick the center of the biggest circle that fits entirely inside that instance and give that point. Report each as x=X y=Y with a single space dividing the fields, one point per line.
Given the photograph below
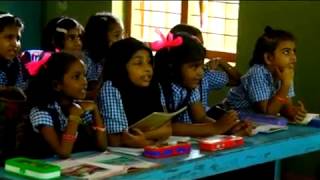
x=36 y=169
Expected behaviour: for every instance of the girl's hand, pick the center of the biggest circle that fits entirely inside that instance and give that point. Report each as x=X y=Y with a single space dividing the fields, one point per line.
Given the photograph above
x=134 y=139
x=227 y=121
x=243 y=128
x=76 y=110
x=301 y=112
x=87 y=105
x=286 y=75
x=213 y=63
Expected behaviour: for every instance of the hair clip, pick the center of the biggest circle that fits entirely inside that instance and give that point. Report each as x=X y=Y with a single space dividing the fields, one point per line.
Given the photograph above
x=166 y=42
x=62 y=30
x=34 y=67
x=5 y=15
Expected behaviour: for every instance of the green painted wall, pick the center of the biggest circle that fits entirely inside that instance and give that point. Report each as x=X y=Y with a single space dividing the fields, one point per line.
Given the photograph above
x=80 y=10
x=299 y=17
x=30 y=13
x=302 y=18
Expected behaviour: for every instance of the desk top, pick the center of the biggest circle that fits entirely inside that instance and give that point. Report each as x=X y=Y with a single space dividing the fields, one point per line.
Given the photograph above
x=258 y=149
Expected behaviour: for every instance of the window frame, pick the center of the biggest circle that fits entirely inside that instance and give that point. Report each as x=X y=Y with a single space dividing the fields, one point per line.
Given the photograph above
x=229 y=57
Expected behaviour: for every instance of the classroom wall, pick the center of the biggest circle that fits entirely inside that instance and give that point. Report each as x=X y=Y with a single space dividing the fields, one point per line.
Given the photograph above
x=80 y=10
x=299 y=17
x=302 y=19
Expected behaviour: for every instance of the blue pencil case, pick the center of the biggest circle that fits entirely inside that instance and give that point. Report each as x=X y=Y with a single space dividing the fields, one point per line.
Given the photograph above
x=262 y=118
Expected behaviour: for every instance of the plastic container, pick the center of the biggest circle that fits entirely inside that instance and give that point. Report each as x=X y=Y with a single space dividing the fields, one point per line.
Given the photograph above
x=36 y=169
x=164 y=151
x=220 y=142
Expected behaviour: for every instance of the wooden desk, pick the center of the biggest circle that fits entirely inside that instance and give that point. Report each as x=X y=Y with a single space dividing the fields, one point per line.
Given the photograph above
x=259 y=149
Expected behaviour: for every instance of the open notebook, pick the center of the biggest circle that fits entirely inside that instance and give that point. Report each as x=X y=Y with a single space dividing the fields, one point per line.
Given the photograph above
x=102 y=165
x=155 y=120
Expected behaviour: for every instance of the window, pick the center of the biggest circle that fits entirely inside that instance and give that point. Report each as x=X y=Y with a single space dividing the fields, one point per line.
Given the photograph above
x=218 y=21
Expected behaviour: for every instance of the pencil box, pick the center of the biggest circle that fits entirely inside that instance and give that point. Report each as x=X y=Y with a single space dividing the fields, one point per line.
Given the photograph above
x=35 y=169
x=263 y=118
x=220 y=142
x=163 y=151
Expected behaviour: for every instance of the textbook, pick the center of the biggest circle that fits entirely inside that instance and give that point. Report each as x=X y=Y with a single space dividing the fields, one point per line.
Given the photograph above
x=266 y=128
x=155 y=120
x=309 y=117
x=102 y=165
x=127 y=150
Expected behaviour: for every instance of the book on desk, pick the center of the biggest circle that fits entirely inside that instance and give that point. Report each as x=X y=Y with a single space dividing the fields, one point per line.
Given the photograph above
x=265 y=123
x=102 y=165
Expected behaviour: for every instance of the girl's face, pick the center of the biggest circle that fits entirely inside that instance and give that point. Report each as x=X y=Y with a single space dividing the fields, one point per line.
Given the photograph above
x=139 y=68
x=191 y=74
x=73 y=41
x=74 y=83
x=115 y=34
x=10 y=42
x=284 y=56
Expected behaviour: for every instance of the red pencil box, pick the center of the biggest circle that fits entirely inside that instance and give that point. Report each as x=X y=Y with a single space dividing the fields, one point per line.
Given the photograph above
x=219 y=142
x=163 y=151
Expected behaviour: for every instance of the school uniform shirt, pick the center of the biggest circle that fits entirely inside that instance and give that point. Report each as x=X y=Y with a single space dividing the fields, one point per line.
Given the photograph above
x=256 y=85
x=179 y=94
x=94 y=69
x=112 y=109
x=42 y=117
x=212 y=80
x=21 y=80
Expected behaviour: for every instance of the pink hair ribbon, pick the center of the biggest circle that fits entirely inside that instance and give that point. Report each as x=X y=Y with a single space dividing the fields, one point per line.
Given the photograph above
x=34 y=67
x=166 y=42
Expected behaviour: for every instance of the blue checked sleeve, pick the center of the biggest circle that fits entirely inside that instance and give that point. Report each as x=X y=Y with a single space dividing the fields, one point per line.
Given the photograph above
x=3 y=79
x=195 y=96
x=257 y=86
x=87 y=117
x=291 y=92
x=111 y=108
x=216 y=79
x=38 y=117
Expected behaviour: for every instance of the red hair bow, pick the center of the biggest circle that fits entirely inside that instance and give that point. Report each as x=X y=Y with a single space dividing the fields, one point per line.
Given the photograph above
x=168 y=41
x=34 y=67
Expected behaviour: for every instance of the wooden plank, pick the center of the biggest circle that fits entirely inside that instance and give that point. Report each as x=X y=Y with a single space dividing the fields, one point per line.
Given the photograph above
x=258 y=149
x=184 y=12
x=230 y=57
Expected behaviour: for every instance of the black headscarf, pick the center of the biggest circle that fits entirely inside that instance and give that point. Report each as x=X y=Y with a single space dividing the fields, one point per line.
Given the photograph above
x=138 y=102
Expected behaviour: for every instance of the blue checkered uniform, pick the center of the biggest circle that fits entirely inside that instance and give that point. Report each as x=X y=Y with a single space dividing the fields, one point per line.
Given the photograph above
x=21 y=81
x=256 y=85
x=94 y=70
x=41 y=117
x=112 y=110
x=212 y=80
x=179 y=94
